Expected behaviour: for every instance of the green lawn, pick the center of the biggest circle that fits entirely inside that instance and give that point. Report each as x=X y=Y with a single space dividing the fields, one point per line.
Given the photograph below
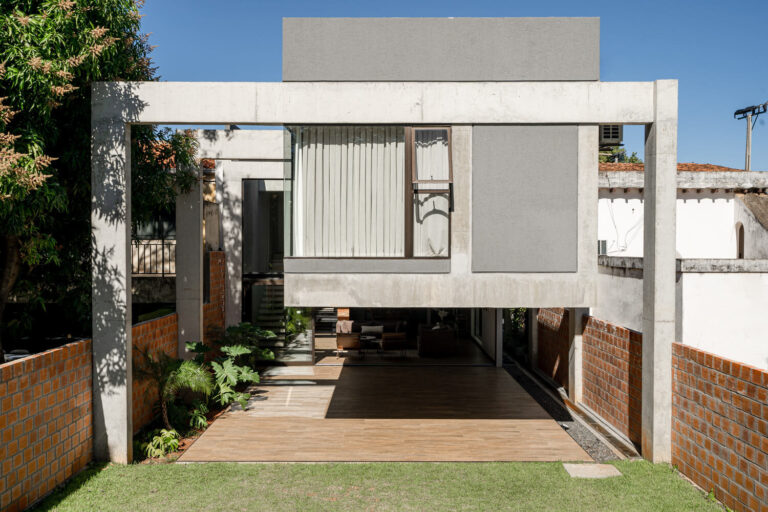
x=375 y=486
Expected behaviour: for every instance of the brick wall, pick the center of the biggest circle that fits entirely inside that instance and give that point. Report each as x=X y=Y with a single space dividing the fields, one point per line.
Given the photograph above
x=154 y=336
x=213 y=310
x=719 y=411
x=720 y=426
x=612 y=375
x=46 y=430
x=553 y=344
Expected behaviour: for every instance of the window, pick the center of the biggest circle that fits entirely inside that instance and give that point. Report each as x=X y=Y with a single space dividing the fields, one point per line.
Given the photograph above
x=431 y=182
x=369 y=191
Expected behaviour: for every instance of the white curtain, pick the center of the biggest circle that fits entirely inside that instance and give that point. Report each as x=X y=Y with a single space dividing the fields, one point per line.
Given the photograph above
x=430 y=210
x=349 y=192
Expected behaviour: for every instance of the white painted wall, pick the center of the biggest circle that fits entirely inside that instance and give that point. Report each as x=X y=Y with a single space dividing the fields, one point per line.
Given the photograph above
x=755 y=235
x=726 y=314
x=705 y=224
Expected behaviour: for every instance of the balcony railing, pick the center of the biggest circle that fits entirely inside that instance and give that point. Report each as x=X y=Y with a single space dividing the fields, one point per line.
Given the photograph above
x=153 y=258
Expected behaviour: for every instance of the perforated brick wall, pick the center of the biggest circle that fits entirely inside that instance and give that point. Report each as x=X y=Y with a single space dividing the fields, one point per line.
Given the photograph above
x=553 y=342
x=154 y=336
x=612 y=373
x=46 y=426
x=720 y=426
x=213 y=310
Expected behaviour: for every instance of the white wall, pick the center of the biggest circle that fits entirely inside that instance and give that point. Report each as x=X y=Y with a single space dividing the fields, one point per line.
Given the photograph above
x=705 y=224
x=755 y=235
x=726 y=314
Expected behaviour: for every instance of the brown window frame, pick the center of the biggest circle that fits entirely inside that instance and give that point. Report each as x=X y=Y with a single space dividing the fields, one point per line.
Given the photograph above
x=411 y=189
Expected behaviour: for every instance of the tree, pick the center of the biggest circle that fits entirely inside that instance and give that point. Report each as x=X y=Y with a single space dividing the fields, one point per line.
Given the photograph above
x=619 y=154
x=50 y=52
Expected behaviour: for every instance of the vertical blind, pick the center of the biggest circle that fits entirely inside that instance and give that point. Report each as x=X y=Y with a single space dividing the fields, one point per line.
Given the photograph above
x=349 y=186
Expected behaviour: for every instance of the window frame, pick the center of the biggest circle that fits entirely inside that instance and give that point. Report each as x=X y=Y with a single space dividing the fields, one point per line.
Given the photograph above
x=411 y=190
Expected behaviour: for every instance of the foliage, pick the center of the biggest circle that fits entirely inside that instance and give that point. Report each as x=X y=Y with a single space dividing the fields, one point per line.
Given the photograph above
x=240 y=353
x=619 y=154
x=197 y=419
x=171 y=377
x=517 y=319
x=296 y=320
x=50 y=52
x=162 y=442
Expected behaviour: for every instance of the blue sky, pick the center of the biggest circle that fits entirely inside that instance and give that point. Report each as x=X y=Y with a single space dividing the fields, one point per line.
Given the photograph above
x=718 y=50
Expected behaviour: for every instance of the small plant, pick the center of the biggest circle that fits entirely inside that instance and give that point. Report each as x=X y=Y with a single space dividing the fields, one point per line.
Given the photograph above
x=171 y=377
x=197 y=419
x=163 y=442
x=228 y=375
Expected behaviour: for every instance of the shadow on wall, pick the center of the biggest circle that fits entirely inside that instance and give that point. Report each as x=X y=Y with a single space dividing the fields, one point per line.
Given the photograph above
x=110 y=223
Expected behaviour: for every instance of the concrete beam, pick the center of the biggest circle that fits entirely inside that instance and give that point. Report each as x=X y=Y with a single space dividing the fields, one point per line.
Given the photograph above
x=269 y=103
x=688 y=179
x=111 y=302
x=660 y=194
x=189 y=265
x=240 y=144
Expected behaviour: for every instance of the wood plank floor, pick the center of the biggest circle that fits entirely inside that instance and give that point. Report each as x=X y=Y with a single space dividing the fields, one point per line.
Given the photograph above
x=343 y=413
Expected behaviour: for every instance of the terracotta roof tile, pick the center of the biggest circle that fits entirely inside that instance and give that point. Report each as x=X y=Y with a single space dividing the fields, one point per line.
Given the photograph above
x=681 y=167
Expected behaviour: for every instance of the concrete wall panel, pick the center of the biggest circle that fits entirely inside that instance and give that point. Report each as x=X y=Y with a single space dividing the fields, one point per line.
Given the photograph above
x=440 y=49
x=524 y=199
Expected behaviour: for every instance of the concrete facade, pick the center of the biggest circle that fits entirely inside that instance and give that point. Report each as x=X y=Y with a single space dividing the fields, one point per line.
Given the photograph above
x=440 y=49
x=461 y=105
x=461 y=287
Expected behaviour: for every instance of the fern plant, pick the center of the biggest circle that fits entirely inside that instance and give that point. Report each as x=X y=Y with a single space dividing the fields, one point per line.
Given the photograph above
x=172 y=376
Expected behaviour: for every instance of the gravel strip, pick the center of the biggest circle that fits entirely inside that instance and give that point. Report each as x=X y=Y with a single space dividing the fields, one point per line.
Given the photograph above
x=578 y=432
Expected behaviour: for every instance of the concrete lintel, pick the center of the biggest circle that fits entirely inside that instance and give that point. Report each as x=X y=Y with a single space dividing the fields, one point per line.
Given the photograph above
x=689 y=180
x=278 y=103
x=240 y=144
x=660 y=194
x=367 y=265
x=692 y=265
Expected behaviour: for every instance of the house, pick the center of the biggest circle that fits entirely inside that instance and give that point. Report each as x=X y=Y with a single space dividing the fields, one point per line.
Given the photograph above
x=415 y=173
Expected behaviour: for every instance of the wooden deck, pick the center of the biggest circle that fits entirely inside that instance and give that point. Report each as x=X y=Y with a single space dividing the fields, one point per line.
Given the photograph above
x=354 y=414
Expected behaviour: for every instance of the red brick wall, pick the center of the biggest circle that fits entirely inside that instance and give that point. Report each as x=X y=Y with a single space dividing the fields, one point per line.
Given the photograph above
x=213 y=311
x=154 y=336
x=46 y=428
x=612 y=372
x=720 y=426
x=553 y=344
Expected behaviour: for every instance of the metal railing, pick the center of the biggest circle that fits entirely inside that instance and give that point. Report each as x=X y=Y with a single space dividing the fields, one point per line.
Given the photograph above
x=153 y=258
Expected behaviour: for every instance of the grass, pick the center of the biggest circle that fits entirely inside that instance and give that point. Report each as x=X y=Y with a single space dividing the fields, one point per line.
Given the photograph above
x=374 y=486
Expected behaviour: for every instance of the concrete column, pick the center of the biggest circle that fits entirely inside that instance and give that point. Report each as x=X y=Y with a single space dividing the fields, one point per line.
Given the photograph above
x=660 y=191
x=575 y=373
x=533 y=336
x=189 y=265
x=111 y=288
x=229 y=195
x=499 y=337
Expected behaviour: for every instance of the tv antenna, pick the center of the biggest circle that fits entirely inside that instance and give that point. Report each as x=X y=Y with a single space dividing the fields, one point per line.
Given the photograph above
x=748 y=113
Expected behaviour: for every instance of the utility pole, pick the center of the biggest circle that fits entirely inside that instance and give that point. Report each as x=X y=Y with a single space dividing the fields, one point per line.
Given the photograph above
x=747 y=113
